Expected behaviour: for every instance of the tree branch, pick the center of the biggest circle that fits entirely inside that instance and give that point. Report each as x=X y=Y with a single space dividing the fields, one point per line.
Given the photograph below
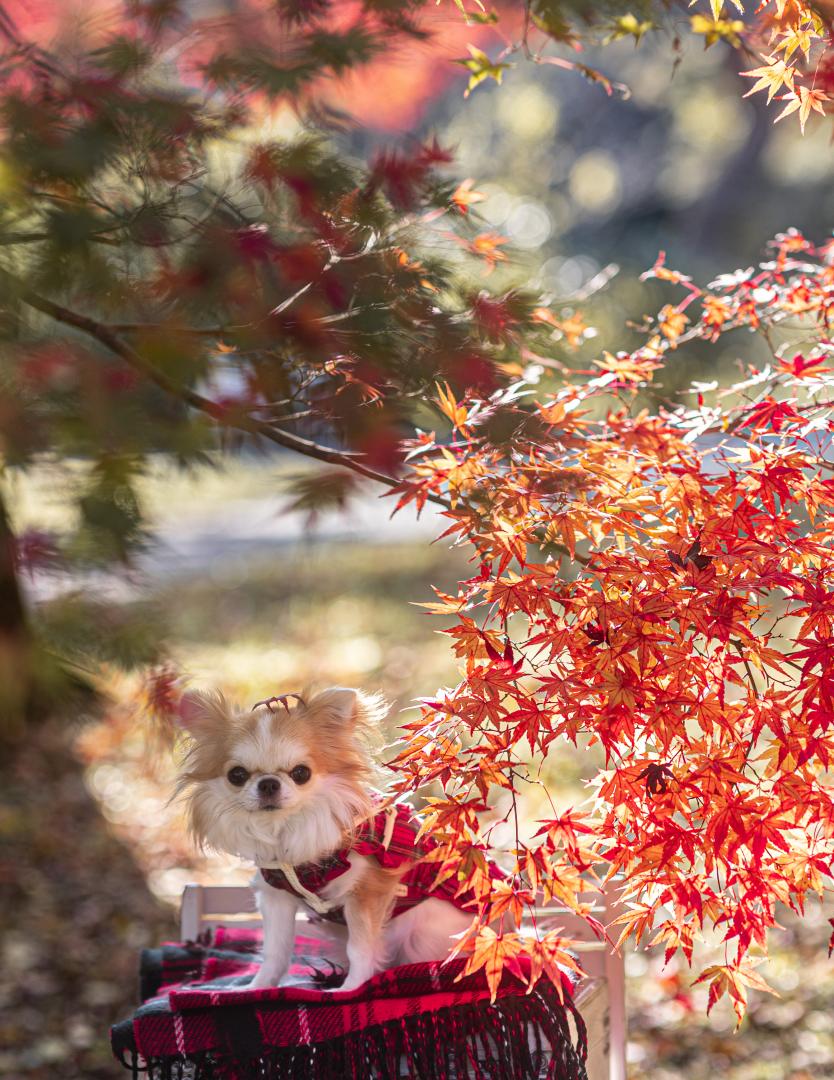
x=122 y=349
x=9 y=239
x=111 y=340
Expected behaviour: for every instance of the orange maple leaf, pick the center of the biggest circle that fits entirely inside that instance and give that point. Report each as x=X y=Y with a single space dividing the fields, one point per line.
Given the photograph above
x=463 y=196
x=485 y=246
x=492 y=951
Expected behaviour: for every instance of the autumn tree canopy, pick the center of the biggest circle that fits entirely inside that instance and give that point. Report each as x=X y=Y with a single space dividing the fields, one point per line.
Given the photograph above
x=660 y=585
x=178 y=275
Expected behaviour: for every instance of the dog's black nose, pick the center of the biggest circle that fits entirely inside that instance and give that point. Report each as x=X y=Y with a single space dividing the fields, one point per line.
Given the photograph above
x=269 y=786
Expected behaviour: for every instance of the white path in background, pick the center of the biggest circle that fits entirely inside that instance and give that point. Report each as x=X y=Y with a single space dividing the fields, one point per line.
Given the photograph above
x=195 y=541
x=185 y=543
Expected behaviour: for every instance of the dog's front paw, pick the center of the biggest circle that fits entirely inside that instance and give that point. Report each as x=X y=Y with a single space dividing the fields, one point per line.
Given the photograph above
x=264 y=980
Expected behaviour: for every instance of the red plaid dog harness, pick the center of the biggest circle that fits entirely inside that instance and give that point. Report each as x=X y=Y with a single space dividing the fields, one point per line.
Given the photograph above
x=390 y=837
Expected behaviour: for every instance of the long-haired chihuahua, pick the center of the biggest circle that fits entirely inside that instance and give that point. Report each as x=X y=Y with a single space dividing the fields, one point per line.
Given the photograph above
x=288 y=785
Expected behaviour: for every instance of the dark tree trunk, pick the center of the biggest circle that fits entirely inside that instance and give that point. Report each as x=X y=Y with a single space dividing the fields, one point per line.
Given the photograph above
x=710 y=223
x=16 y=647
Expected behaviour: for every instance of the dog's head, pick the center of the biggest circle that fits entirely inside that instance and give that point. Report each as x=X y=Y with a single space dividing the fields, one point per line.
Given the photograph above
x=283 y=781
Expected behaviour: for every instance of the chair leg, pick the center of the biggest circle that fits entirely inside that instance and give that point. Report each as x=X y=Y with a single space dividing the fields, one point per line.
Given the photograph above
x=615 y=975
x=191 y=912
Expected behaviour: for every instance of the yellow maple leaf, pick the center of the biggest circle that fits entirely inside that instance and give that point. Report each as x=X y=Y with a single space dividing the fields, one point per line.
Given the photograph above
x=772 y=77
x=449 y=407
x=717 y=7
x=480 y=68
x=629 y=26
x=803 y=100
x=797 y=37
x=716 y=29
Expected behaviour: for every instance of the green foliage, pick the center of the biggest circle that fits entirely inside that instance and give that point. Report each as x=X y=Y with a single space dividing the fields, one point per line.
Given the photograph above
x=318 y=492
x=87 y=631
x=568 y=20
x=171 y=283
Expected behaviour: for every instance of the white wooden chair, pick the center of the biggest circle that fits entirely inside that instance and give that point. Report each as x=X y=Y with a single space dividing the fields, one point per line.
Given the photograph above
x=600 y=997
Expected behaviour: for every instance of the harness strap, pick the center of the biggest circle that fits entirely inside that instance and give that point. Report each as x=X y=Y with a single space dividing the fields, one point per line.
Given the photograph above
x=316 y=902
x=390 y=822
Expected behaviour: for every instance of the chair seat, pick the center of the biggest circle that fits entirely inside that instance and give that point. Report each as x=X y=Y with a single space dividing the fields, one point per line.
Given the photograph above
x=421 y=1020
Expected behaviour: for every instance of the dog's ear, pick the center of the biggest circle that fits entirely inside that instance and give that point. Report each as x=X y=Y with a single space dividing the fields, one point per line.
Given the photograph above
x=347 y=707
x=199 y=712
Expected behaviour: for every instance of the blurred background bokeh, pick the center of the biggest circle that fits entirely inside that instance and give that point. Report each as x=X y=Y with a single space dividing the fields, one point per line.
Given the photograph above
x=256 y=599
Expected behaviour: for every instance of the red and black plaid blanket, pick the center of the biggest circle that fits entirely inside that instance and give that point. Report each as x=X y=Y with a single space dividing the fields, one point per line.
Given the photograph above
x=198 y=1023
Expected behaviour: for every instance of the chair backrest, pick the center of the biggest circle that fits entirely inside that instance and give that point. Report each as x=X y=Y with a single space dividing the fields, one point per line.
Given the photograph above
x=203 y=907
x=208 y=906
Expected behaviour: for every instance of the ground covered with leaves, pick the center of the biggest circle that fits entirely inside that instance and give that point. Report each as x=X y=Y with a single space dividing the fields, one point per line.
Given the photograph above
x=76 y=910
x=785 y=1038
x=94 y=858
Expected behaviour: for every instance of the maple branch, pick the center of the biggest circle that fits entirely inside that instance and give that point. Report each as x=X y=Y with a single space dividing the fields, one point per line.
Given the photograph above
x=9 y=239
x=229 y=331
x=185 y=331
x=107 y=337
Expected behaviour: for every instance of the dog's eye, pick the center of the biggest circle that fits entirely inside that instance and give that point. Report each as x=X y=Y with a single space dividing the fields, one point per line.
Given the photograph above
x=301 y=774
x=237 y=776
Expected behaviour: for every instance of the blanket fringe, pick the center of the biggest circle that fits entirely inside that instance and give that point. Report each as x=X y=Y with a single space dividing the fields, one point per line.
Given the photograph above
x=518 y=1038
